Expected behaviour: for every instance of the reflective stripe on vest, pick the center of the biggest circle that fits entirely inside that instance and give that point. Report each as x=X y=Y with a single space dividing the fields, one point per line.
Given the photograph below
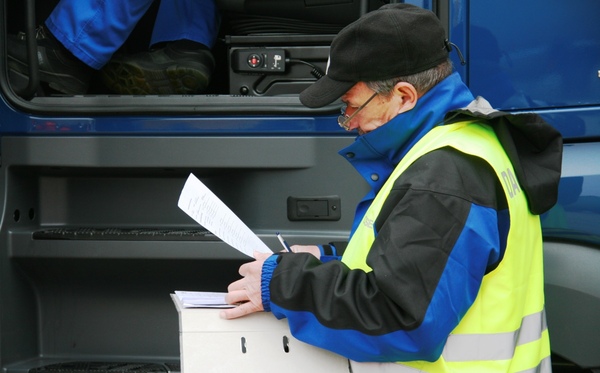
x=499 y=346
x=505 y=328
x=545 y=366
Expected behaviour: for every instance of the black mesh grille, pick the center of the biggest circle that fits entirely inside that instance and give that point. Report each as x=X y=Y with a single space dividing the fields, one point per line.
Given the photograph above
x=101 y=367
x=118 y=234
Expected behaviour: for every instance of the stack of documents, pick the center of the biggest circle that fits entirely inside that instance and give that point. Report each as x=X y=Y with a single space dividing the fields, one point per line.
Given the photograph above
x=202 y=299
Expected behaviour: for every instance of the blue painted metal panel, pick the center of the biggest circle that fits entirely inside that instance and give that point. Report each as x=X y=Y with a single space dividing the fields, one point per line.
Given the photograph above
x=543 y=56
x=15 y=122
x=532 y=53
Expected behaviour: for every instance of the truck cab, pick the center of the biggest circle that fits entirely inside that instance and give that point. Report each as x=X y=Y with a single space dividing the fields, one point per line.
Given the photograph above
x=92 y=241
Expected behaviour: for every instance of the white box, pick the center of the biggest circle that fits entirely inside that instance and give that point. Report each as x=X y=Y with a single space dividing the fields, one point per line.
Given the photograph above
x=254 y=343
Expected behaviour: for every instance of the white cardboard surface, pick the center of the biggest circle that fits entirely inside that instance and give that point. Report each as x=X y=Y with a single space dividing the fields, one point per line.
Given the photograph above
x=255 y=343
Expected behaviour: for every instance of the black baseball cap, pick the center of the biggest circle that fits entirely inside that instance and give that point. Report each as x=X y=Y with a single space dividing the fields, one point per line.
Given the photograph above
x=392 y=41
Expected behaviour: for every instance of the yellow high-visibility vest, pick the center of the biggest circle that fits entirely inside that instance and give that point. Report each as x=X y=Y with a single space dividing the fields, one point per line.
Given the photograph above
x=505 y=328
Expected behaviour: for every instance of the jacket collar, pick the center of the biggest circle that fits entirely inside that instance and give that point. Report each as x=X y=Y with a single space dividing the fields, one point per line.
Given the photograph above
x=376 y=154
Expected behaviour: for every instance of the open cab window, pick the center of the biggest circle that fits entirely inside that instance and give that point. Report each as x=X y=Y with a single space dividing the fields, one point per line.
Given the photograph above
x=266 y=52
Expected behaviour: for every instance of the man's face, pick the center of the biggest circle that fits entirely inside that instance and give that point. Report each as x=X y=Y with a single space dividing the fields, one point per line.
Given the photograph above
x=376 y=113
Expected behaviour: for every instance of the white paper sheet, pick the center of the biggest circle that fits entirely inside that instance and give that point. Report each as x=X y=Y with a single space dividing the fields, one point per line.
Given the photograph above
x=202 y=205
x=202 y=299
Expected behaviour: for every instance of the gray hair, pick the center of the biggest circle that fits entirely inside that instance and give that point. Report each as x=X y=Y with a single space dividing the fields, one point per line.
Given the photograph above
x=422 y=81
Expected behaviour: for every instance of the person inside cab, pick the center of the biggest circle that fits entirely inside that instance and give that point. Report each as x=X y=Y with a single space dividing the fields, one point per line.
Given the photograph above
x=80 y=37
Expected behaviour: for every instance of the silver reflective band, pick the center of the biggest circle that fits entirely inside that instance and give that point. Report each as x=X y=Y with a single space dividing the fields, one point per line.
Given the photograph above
x=499 y=346
x=465 y=348
x=545 y=366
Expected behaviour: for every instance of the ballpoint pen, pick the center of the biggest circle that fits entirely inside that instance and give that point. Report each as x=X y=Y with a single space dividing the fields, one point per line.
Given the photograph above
x=283 y=243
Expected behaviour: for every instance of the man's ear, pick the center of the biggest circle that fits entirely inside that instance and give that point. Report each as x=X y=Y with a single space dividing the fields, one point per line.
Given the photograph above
x=406 y=95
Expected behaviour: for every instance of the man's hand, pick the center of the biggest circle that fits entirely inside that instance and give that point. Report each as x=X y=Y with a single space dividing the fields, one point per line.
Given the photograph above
x=311 y=249
x=246 y=291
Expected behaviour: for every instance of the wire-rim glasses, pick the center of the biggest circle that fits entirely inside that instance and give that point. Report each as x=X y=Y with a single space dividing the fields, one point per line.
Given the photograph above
x=344 y=120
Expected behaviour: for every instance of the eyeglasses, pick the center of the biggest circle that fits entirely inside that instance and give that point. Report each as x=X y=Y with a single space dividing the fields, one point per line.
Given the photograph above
x=344 y=120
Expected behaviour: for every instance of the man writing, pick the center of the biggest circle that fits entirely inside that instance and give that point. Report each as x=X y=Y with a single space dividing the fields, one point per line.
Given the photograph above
x=443 y=270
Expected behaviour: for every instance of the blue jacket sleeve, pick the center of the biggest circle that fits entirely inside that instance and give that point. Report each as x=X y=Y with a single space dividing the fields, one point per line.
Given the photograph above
x=266 y=275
